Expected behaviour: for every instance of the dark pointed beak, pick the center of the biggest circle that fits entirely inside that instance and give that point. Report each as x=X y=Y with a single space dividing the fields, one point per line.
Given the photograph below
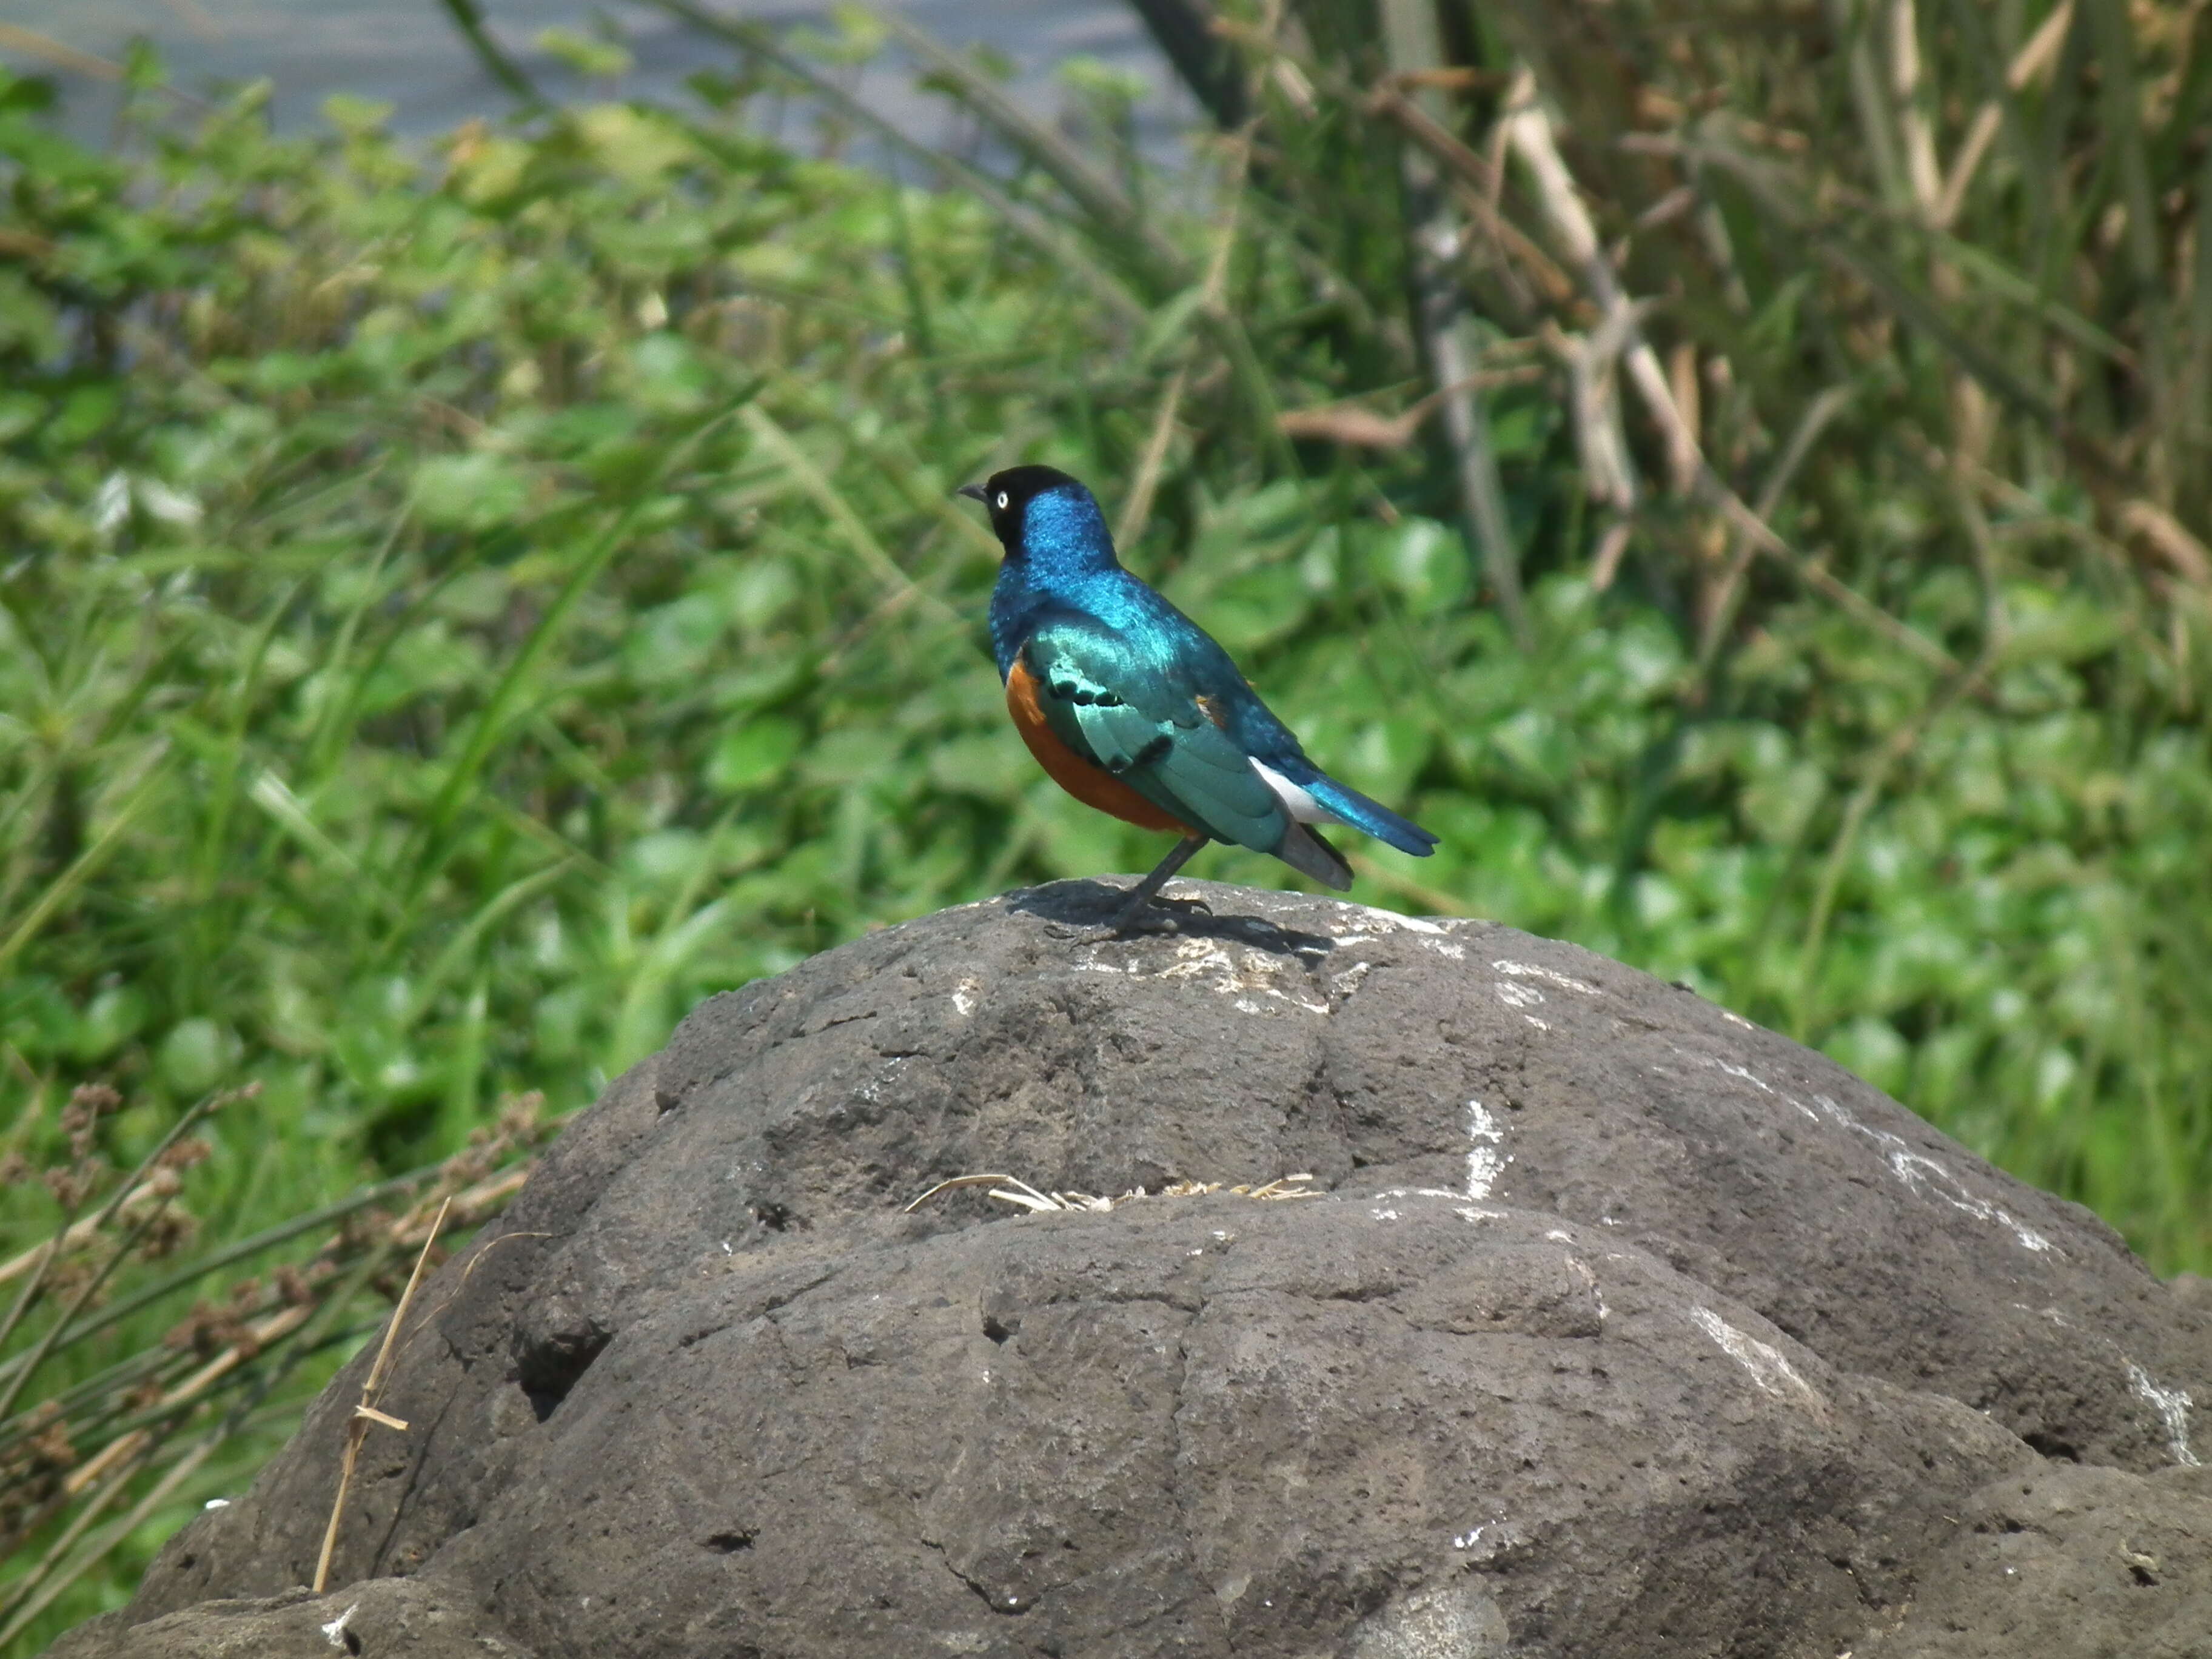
x=973 y=492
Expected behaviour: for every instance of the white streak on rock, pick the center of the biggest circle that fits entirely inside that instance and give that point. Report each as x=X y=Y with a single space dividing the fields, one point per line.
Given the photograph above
x=1767 y=1363
x=1484 y=1164
x=1565 y=982
x=1390 y=919
x=1928 y=1177
x=2172 y=1405
x=1517 y=996
x=1541 y=1024
x=334 y=1631
x=1241 y=976
x=1761 y=1084
x=963 y=997
x=1444 y=947
x=1416 y=1192
x=1923 y=1175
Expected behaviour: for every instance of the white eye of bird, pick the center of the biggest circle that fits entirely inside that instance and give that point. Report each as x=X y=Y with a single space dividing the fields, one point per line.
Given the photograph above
x=1002 y=501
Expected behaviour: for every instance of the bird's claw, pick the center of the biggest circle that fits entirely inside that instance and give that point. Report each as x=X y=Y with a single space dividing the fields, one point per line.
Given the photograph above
x=1138 y=918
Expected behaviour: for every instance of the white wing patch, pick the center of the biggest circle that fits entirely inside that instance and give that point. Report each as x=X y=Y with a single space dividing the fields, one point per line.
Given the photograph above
x=1302 y=807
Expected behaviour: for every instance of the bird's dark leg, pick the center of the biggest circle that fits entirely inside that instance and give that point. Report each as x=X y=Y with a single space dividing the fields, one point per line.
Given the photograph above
x=1141 y=894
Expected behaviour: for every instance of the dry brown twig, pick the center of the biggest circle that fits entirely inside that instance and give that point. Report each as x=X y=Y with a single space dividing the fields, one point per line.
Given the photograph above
x=1354 y=423
x=1484 y=194
x=1533 y=141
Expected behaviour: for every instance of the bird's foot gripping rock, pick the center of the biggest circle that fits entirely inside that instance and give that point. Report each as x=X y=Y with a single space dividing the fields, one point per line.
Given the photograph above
x=1155 y=913
x=1139 y=914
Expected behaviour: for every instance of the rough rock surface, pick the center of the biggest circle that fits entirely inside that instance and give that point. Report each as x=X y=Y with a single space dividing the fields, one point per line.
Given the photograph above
x=1621 y=1326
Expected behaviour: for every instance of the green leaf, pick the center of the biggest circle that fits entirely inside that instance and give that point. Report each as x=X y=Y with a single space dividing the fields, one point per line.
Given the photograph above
x=587 y=57
x=753 y=754
x=477 y=491
x=197 y=1054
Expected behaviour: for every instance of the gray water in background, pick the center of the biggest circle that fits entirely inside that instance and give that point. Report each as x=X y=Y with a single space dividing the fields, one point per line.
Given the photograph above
x=406 y=52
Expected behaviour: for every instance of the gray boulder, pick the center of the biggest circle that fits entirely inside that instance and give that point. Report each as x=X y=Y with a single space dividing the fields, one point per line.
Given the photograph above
x=1617 y=1326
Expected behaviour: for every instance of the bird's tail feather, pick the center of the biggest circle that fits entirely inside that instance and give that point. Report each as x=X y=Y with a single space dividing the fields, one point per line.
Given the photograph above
x=1307 y=853
x=1368 y=816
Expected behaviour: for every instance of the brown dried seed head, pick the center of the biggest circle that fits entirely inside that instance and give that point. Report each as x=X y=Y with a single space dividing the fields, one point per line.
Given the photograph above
x=186 y=1152
x=196 y=1329
x=165 y=1234
x=96 y=1098
x=71 y=1186
x=53 y=1446
x=518 y=1118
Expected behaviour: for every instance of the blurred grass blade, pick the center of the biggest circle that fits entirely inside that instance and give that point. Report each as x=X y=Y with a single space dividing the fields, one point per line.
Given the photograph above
x=143 y=792
x=792 y=459
x=13 y=1385
x=1054 y=241
x=468 y=17
x=490 y=726
x=1091 y=190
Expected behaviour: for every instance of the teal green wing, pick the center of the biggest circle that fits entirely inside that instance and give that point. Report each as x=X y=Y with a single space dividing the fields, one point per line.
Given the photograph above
x=1121 y=711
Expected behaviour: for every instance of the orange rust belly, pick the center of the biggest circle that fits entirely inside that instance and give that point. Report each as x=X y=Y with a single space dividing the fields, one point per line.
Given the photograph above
x=1093 y=786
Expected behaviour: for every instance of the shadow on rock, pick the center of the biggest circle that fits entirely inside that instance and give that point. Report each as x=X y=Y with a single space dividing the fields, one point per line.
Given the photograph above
x=1087 y=908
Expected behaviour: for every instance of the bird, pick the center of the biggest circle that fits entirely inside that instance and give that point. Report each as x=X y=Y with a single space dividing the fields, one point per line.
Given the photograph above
x=1134 y=709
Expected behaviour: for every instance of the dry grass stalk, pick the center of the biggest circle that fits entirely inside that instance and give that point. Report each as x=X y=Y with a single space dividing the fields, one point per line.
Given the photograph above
x=47 y=50
x=78 y=1455
x=1529 y=128
x=80 y=1232
x=1137 y=509
x=2170 y=539
x=2028 y=65
x=107 y=1211
x=365 y=1413
x=1357 y=425
x=260 y=1333
x=1012 y=1189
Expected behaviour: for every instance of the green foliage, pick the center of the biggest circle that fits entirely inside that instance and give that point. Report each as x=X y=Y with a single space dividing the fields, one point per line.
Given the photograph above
x=461 y=609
